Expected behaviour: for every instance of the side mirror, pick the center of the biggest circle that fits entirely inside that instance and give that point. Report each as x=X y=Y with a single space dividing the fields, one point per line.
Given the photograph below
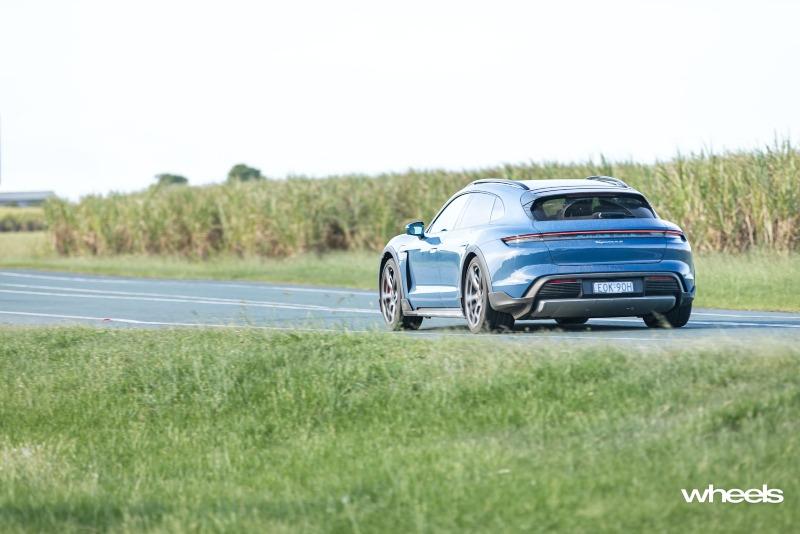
x=416 y=228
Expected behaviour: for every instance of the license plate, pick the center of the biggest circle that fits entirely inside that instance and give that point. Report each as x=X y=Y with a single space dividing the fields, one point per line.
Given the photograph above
x=620 y=286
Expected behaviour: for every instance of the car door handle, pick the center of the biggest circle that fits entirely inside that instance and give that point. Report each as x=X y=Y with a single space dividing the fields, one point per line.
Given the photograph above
x=434 y=249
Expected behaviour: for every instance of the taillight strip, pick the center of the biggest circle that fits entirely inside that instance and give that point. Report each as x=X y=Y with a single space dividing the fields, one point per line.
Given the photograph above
x=589 y=234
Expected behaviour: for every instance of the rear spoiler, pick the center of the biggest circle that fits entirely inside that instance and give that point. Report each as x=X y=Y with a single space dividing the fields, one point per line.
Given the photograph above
x=609 y=180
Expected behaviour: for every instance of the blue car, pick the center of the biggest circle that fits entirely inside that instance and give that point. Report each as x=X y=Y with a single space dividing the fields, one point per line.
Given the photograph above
x=570 y=250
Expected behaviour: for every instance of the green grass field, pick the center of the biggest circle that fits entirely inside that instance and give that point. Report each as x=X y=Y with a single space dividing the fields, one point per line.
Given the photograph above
x=754 y=281
x=179 y=430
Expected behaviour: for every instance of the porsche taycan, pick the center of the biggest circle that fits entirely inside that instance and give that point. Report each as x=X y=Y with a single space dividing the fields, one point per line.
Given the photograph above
x=501 y=251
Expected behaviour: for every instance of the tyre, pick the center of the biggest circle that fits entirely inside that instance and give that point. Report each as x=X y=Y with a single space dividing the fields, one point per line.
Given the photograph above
x=390 y=296
x=675 y=318
x=572 y=321
x=477 y=310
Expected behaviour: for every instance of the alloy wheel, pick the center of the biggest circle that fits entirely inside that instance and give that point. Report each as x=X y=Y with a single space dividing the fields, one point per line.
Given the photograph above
x=474 y=295
x=389 y=294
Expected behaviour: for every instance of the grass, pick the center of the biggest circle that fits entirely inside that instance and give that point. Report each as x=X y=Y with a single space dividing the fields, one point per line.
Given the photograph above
x=728 y=202
x=179 y=430
x=346 y=269
x=754 y=281
x=751 y=281
x=25 y=246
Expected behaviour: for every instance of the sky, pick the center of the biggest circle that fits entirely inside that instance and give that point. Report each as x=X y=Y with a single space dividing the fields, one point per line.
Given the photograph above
x=102 y=96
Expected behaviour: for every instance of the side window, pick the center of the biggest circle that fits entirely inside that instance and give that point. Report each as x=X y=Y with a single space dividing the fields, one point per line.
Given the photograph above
x=498 y=210
x=447 y=219
x=478 y=211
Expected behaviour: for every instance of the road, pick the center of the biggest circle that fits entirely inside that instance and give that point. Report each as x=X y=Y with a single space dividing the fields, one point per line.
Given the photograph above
x=43 y=298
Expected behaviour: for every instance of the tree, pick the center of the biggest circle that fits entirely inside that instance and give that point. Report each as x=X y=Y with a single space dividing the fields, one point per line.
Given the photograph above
x=243 y=173
x=171 y=179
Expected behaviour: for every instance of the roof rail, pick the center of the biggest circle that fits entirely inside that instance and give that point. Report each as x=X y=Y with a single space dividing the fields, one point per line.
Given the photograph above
x=609 y=180
x=512 y=183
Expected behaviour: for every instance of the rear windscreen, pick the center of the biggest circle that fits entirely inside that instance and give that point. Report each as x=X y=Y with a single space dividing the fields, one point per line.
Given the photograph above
x=591 y=206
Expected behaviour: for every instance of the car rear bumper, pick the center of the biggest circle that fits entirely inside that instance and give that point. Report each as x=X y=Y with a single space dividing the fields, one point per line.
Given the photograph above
x=539 y=304
x=605 y=307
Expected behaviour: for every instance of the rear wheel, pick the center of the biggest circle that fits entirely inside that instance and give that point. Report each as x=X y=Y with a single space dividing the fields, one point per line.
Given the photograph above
x=675 y=318
x=390 y=297
x=572 y=321
x=477 y=310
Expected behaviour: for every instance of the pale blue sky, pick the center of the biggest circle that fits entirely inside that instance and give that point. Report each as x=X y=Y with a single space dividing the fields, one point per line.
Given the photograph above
x=100 y=96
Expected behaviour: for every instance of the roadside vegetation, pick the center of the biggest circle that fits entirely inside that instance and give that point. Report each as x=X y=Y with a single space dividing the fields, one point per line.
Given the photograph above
x=22 y=219
x=756 y=280
x=731 y=202
x=355 y=269
x=188 y=430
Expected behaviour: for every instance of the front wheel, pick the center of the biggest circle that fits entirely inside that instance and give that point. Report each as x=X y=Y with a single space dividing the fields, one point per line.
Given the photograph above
x=675 y=318
x=480 y=315
x=390 y=297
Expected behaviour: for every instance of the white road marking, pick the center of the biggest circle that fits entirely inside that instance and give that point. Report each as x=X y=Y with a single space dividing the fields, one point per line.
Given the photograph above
x=291 y=289
x=712 y=323
x=254 y=285
x=189 y=299
x=164 y=323
x=69 y=278
x=514 y=336
x=268 y=287
x=195 y=300
x=186 y=297
x=750 y=316
x=66 y=292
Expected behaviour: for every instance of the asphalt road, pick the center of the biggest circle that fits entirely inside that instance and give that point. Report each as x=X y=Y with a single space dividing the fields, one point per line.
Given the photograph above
x=45 y=298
